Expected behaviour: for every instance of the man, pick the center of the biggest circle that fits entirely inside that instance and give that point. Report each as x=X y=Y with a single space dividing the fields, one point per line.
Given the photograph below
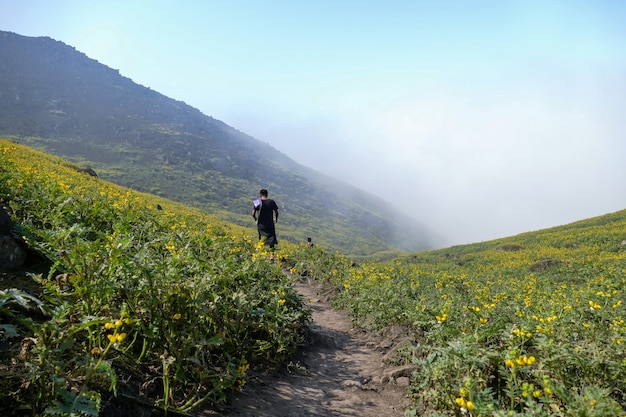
x=265 y=213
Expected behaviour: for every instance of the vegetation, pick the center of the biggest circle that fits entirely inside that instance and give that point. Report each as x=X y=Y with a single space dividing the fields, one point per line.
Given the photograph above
x=177 y=305
x=533 y=324
x=171 y=301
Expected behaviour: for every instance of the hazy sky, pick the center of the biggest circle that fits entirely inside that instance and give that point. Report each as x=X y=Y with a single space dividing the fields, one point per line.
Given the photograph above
x=481 y=119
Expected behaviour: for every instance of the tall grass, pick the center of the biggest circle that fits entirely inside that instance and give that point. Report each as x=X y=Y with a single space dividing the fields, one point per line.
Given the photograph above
x=532 y=324
x=528 y=325
x=167 y=299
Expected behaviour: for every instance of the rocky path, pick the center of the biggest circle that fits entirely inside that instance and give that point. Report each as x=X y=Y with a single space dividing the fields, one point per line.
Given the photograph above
x=342 y=372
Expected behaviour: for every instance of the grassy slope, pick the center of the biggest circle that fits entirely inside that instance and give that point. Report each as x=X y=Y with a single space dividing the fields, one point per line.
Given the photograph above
x=533 y=323
x=173 y=301
x=530 y=324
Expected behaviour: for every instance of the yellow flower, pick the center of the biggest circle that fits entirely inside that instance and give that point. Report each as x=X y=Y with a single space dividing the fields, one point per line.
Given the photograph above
x=281 y=301
x=240 y=384
x=177 y=316
x=461 y=402
x=520 y=361
x=96 y=351
x=120 y=337
x=111 y=338
x=243 y=368
x=594 y=306
x=119 y=323
x=108 y=325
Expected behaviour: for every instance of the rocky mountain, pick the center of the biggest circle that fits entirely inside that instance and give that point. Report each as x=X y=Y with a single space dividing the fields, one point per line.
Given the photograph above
x=55 y=98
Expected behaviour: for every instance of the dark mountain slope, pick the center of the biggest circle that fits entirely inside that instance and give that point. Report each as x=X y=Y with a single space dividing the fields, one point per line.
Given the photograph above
x=55 y=98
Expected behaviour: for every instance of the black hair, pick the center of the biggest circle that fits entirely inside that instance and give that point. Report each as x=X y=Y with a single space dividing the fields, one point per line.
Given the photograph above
x=263 y=192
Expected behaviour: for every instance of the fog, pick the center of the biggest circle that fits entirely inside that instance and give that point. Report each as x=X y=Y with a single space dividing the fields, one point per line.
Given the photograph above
x=475 y=163
x=478 y=119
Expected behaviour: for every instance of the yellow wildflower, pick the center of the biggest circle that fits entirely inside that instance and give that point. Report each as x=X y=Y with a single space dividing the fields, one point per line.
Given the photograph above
x=594 y=305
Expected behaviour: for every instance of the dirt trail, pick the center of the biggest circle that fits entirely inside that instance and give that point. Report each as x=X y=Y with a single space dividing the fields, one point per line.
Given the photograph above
x=340 y=373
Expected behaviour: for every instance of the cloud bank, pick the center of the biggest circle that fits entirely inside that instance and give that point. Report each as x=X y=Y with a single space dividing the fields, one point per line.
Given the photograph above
x=477 y=162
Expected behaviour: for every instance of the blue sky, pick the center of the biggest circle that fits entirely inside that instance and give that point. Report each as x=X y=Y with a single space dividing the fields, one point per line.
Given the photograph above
x=480 y=119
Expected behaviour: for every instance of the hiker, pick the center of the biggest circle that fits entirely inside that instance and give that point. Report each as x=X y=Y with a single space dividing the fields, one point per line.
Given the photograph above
x=265 y=213
x=309 y=242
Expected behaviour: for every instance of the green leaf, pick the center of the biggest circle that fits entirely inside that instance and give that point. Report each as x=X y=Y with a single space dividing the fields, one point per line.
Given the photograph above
x=71 y=404
x=9 y=330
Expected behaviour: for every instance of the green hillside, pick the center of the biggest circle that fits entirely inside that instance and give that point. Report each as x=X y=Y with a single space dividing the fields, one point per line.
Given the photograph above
x=56 y=99
x=121 y=303
x=533 y=324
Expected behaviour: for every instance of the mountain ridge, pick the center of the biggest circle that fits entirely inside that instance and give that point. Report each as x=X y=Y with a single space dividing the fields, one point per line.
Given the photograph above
x=57 y=99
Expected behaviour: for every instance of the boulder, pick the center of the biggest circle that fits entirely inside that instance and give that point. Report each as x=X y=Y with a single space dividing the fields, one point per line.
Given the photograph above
x=12 y=254
x=543 y=264
x=6 y=225
x=88 y=171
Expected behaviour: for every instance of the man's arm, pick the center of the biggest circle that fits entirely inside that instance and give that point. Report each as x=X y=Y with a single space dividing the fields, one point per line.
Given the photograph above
x=254 y=213
x=276 y=215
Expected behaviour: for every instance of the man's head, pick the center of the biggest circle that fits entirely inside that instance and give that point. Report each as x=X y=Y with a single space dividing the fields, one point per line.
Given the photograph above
x=263 y=193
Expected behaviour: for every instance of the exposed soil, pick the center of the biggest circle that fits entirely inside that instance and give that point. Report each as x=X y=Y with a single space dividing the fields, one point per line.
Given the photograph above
x=341 y=372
